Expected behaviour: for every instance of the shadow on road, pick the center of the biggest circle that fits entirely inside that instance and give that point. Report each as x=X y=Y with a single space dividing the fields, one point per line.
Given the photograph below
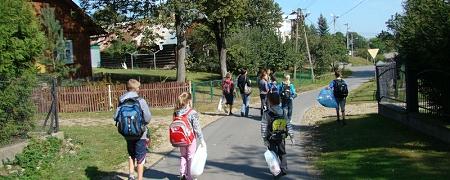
x=363 y=74
x=155 y=174
x=92 y=172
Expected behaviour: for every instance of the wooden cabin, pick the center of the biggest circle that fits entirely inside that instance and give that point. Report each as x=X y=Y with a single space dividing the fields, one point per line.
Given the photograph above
x=78 y=28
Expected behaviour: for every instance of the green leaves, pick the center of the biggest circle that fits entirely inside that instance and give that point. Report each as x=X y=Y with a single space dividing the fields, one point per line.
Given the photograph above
x=422 y=33
x=21 y=44
x=323 y=26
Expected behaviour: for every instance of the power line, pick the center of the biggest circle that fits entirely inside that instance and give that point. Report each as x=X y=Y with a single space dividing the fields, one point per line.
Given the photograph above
x=312 y=3
x=351 y=9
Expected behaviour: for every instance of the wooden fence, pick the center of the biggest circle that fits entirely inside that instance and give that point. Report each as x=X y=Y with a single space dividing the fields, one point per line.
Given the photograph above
x=105 y=97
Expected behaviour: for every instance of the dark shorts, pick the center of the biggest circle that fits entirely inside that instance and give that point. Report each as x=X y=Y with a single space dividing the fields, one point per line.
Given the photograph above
x=340 y=104
x=137 y=149
x=229 y=98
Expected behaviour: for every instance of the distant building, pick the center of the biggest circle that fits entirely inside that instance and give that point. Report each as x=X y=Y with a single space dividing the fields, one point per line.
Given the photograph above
x=286 y=29
x=160 y=54
x=78 y=27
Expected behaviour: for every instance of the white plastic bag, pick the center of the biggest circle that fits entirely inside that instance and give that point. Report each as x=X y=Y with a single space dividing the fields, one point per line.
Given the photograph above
x=273 y=162
x=220 y=105
x=198 y=161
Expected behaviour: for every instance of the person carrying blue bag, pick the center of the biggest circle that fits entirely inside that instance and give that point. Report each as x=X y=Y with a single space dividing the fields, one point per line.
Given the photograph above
x=340 y=91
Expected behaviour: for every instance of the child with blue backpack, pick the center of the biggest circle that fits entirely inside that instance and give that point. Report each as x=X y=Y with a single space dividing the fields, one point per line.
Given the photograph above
x=132 y=117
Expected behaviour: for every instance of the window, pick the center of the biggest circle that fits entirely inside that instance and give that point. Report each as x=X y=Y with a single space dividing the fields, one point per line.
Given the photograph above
x=68 y=52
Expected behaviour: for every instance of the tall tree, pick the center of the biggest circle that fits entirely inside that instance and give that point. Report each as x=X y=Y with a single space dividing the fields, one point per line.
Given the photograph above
x=21 y=44
x=265 y=14
x=323 y=25
x=110 y=12
x=422 y=33
x=55 y=54
x=222 y=16
x=185 y=13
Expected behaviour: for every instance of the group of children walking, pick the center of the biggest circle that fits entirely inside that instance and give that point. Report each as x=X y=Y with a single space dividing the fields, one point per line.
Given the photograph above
x=133 y=115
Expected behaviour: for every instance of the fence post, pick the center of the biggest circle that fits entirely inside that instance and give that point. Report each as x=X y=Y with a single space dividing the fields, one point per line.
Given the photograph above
x=193 y=95
x=110 y=97
x=377 y=72
x=412 y=102
x=55 y=110
x=211 y=90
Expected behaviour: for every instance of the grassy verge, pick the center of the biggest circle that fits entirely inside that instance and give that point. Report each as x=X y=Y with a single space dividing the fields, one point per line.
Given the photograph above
x=160 y=112
x=364 y=93
x=101 y=150
x=358 y=61
x=151 y=75
x=323 y=80
x=372 y=147
x=96 y=153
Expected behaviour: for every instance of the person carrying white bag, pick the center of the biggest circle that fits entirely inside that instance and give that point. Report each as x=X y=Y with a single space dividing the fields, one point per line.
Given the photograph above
x=187 y=141
x=274 y=129
x=198 y=162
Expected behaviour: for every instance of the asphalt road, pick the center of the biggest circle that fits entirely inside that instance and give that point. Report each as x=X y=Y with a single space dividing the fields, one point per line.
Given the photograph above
x=235 y=148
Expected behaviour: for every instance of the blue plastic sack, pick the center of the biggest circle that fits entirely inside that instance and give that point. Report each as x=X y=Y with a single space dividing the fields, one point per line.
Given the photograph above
x=326 y=98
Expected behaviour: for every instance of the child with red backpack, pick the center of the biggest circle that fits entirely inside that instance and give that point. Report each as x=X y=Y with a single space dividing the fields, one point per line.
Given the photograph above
x=228 y=91
x=185 y=130
x=132 y=117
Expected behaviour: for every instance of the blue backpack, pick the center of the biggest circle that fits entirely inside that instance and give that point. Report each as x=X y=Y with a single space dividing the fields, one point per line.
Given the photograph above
x=130 y=119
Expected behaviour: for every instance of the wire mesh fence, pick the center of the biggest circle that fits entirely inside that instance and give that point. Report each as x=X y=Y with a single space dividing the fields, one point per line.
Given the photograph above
x=391 y=85
x=433 y=94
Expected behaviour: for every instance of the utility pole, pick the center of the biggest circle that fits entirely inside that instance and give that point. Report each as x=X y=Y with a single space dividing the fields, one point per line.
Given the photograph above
x=334 y=22
x=296 y=42
x=307 y=45
x=346 y=35
x=351 y=35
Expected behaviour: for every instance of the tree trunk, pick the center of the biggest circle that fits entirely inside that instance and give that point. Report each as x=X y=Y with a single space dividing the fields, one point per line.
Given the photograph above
x=221 y=47
x=181 y=50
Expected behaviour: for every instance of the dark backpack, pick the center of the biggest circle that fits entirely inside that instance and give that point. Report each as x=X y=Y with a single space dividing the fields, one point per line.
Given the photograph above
x=340 y=89
x=130 y=119
x=226 y=86
x=286 y=92
x=277 y=127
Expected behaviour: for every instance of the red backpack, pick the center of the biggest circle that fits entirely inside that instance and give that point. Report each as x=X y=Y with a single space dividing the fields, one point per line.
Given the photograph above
x=180 y=130
x=226 y=86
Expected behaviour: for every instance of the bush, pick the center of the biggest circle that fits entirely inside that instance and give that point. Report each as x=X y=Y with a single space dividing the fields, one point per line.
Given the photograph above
x=38 y=155
x=21 y=42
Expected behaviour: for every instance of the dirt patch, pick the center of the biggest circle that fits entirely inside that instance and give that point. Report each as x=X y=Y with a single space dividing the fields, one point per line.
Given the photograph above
x=317 y=114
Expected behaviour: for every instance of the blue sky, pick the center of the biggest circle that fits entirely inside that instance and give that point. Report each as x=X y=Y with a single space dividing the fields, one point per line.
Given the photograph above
x=368 y=19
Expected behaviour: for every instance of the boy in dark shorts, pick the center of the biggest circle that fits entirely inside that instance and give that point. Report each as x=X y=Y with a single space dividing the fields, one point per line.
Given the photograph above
x=340 y=91
x=137 y=148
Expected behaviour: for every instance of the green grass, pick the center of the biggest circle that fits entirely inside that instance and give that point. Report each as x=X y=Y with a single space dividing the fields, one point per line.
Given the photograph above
x=160 y=112
x=101 y=151
x=151 y=75
x=372 y=147
x=320 y=81
x=358 y=61
x=364 y=93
